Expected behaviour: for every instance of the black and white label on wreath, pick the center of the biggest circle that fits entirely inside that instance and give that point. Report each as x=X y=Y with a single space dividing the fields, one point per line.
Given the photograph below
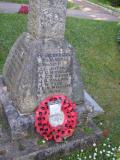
x=56 y=117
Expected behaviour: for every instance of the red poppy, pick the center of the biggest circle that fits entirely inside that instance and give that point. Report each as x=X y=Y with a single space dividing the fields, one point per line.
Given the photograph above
x=24 y=9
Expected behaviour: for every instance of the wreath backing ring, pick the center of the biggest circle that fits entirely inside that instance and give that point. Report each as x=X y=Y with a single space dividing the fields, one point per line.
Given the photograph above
x=58 y=133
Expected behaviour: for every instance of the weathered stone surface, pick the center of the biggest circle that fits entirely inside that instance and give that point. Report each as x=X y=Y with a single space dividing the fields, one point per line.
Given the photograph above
x=46 y=18
x=92 y=105
x=27 y=149
x=36 y=69
x=41 y=62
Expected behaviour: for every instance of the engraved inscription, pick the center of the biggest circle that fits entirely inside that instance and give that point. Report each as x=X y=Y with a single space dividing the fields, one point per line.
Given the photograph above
x=54 y=74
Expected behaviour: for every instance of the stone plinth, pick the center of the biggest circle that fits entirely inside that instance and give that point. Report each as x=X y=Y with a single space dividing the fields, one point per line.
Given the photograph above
x=36 y=69
x=22 y=125
x=27 y=149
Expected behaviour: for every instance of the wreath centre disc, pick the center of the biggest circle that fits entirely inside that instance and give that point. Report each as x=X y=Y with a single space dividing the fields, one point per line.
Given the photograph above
x=56 y=117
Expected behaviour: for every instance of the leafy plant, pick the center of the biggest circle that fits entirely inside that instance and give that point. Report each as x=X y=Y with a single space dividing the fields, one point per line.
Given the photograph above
x=115 y=3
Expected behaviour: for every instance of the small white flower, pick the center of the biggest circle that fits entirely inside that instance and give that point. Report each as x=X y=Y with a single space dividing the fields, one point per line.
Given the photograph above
x=79 y=159
x=85 y=157
x=108 y=155
x=90 y=156
x=113 y=149
x=81 y=150
x=43 y=141
x=101 y=152
x=104 y=144
x=119 y=149
x=109 y=146
x=114 y=155
x=77 y=155
x=108 y=139
x=95 y=154
x=94 y=144
x=96 y=149
x=94 y=157
x=101 y=123
x=108 y=152
x=113 y=159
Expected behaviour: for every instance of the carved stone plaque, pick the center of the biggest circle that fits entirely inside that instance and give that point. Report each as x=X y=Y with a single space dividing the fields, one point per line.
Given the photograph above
x=54 y=74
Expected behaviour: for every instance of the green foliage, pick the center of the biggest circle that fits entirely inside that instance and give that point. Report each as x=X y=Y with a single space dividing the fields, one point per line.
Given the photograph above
x=10 y=28
x=72 y=5
x=87 y=130
x=115 y=3
x=97 y=52
x=41 y=142
x=101 y=151
x=16 y=1
x=112 y=2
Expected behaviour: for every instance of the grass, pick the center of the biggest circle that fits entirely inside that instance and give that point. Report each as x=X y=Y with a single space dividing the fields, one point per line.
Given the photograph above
x=107 y=4
x=16 y=1
x=97 y=52
x=10 y=28
x=104 y=2
x=72 y=5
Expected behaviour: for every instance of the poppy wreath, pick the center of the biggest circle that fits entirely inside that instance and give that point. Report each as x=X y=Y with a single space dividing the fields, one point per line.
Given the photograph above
x=58 y=133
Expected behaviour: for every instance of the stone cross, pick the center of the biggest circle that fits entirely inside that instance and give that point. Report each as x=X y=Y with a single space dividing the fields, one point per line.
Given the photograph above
x=46 y=18
x=41 y=62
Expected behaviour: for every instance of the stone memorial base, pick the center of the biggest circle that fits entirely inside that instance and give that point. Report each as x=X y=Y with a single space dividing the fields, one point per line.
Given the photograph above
x=28 y=148
x=21 y=125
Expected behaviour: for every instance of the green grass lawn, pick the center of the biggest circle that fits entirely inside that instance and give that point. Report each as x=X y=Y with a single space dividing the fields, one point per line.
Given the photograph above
x=16 y=1
x=72 y=5
x=107 y=4
x=99 y=57
x=97 y=52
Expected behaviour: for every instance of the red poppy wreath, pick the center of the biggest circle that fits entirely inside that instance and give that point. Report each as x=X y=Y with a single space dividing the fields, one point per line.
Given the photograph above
x=55 y=118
